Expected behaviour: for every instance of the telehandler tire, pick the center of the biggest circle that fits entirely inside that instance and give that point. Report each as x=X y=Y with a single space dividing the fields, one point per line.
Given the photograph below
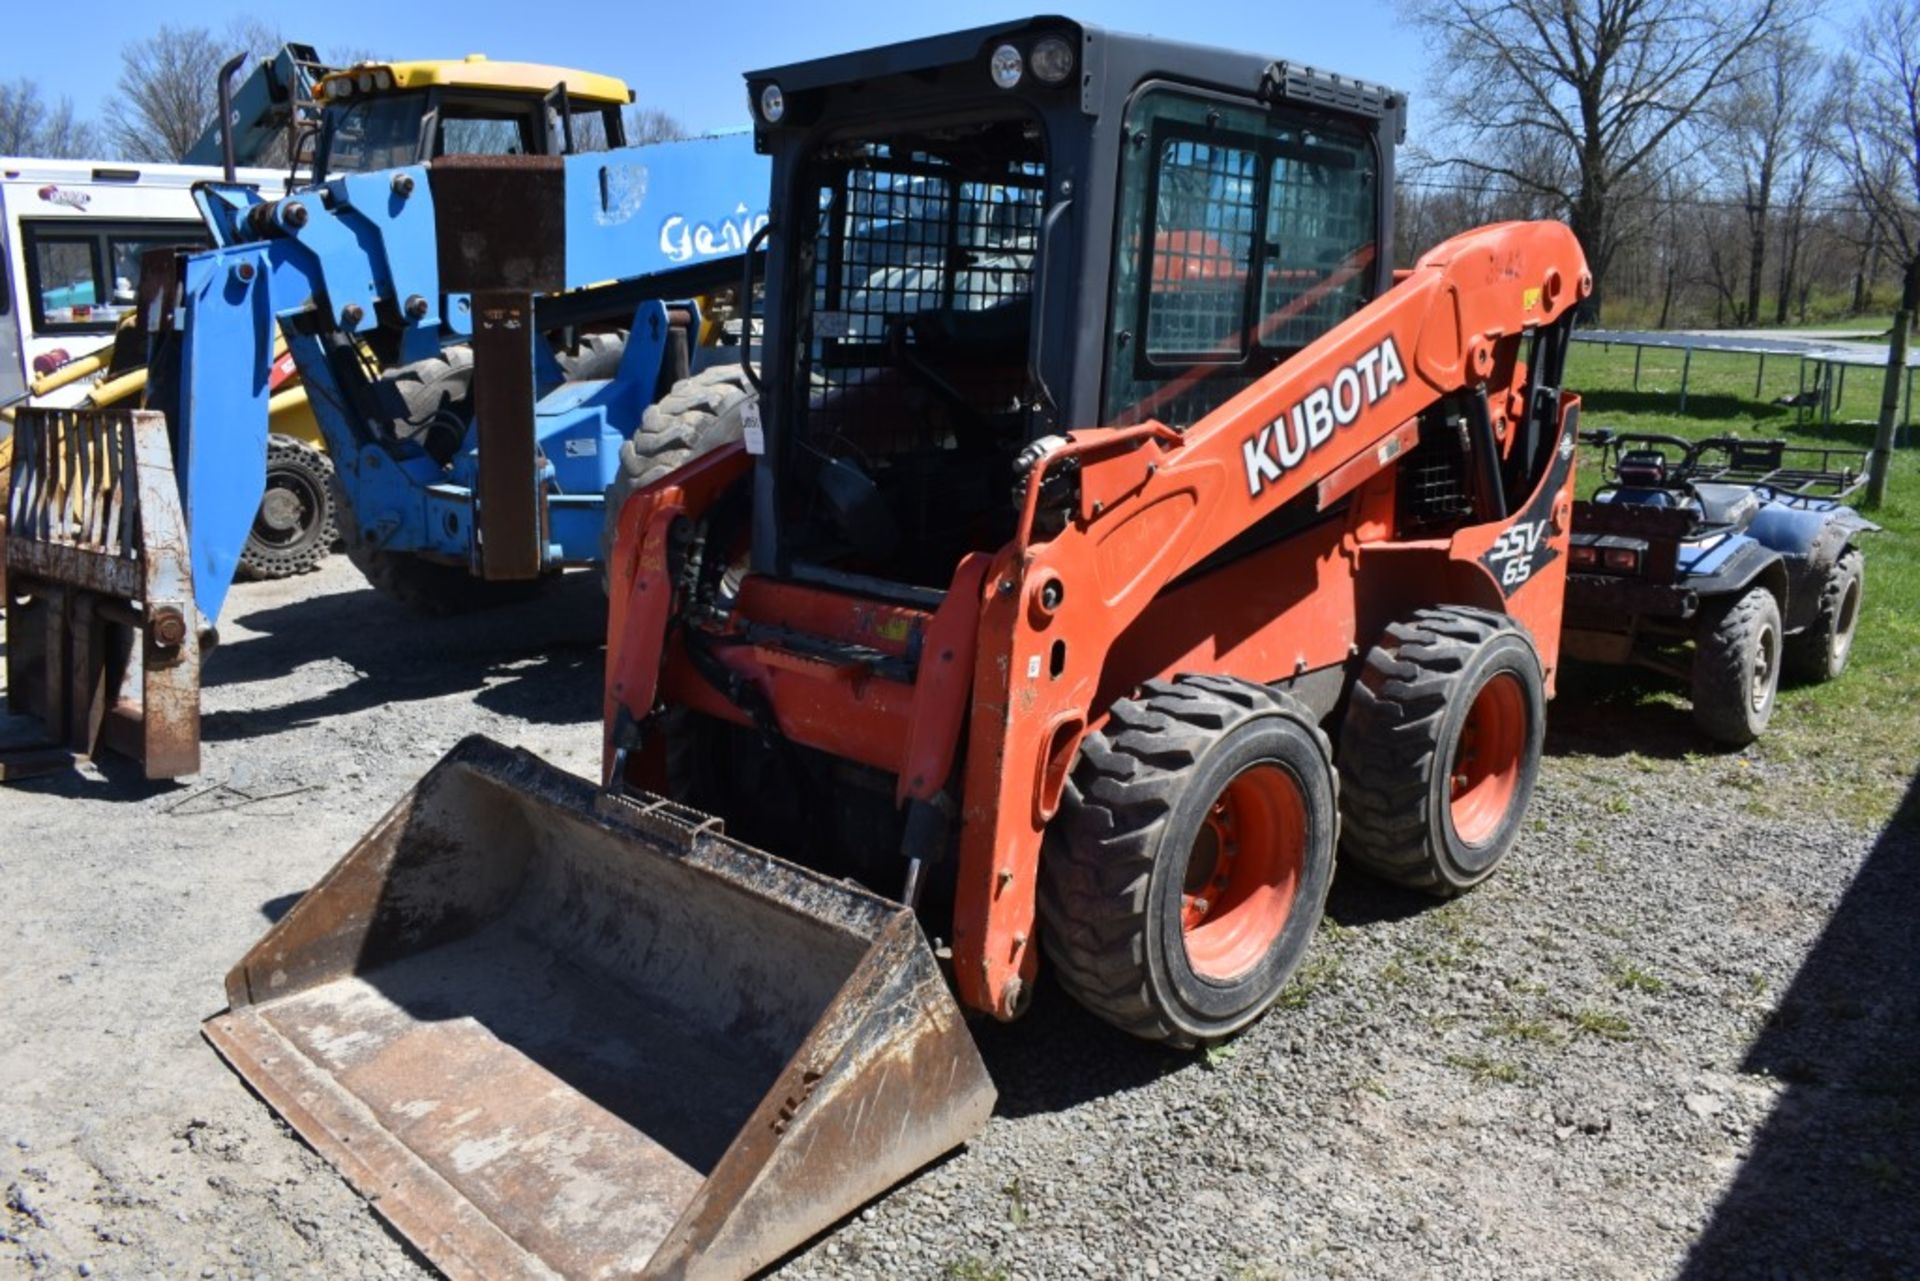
x=697 y=415
x=429 y=401
x=1188 y=867
x=436 y=590
x=429 y=587
x=1440 y=748
x=1820 y=653
x=1736 y=667
x=295 y=527
x=593 y=356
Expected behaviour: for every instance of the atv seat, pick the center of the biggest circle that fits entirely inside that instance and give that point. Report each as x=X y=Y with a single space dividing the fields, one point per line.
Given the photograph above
x=1726 y=504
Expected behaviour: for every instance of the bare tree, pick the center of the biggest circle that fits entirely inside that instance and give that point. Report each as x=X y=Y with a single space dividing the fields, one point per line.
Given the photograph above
x=651 y=124
x=1607 y=82
x=30 y=126
x=1759 y=125
x=167 y=96
x=1879 y=132
x=642 y=125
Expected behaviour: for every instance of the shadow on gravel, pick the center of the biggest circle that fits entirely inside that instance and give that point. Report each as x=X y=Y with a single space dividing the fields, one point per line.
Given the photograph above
x=547 y=649
x=1058 y=1056
x=279 y=905
x=1611 y=711
x=1358 y=897
x=1833 y=1182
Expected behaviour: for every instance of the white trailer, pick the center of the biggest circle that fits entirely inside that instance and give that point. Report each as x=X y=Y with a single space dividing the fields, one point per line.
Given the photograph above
x=71 y=236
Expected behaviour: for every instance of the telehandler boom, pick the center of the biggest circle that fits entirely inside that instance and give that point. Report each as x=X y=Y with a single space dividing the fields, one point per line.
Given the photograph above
x=1103 y=487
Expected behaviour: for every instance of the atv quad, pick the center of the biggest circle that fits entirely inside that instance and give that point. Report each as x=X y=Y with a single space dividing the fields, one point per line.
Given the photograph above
x=1719 y=563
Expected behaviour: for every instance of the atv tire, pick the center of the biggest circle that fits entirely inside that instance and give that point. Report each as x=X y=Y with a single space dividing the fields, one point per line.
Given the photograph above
x=696 y=416
x=1736 y=667
x=295 y=527
x=1440 y=748
x=1189 y=864
x=1820 y=652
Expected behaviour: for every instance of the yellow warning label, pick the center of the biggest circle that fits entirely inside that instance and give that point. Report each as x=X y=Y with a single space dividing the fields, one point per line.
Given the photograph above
x=1530 y=299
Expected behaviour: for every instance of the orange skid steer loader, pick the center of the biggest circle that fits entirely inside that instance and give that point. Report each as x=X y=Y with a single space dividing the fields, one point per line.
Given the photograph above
x=1109 y=536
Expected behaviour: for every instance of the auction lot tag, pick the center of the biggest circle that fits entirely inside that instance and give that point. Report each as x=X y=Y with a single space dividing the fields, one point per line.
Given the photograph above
x=755 y=438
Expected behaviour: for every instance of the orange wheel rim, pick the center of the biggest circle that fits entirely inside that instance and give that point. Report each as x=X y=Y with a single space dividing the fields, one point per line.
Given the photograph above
x=1243 y=872
x=1485 y=771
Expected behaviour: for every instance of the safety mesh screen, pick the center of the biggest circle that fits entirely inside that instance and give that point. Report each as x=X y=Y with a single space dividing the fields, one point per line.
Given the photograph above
x=917 y=255
x=1202 y=246
x=1434 y=488
x=1319 y=218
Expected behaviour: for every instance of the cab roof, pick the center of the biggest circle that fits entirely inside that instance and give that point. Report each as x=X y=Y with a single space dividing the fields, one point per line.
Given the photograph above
x=477 y=71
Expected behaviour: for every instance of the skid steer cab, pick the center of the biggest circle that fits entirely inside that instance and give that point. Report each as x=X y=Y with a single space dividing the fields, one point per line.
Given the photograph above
x=1109 y=531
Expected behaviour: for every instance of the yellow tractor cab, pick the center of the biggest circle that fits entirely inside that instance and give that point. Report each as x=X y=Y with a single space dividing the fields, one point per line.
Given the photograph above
x=384 y=115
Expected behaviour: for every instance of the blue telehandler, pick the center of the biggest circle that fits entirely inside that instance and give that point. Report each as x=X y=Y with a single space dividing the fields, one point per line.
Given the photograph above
x=482 y=313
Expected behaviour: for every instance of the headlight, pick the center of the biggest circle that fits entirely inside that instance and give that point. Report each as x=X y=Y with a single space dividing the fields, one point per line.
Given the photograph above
x=773 y=104
x=366 y=82
x=339 y=88
x=1052 y=60
x=383 y=80
x=1007 y=66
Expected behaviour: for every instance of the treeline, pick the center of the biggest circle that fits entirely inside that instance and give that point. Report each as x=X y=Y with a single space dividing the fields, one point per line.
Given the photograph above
x=1724 y=162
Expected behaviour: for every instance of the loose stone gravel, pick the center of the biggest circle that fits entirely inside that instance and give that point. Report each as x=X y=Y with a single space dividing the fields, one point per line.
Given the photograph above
x=1675 y=1036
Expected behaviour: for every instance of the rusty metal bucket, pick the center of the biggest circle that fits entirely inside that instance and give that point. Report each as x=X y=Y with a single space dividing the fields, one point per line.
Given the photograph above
x=548 y=1031
x=103 y=640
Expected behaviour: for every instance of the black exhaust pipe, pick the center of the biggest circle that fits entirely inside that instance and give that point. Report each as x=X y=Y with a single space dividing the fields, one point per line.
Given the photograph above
x=226 y=113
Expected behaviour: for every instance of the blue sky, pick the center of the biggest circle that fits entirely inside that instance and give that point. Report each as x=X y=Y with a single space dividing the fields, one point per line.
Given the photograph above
x=684 y=58
x=687 y=58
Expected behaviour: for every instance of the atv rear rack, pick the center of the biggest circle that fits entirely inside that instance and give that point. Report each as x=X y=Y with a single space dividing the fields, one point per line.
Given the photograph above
x=1791 y=471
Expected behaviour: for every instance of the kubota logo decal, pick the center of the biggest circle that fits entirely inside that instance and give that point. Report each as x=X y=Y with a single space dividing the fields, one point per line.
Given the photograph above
x=1285 y=443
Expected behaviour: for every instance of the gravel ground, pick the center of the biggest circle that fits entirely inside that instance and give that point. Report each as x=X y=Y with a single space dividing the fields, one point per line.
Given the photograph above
x=1674 y=1037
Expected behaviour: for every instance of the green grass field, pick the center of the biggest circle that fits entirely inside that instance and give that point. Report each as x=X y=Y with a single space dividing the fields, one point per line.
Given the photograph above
x=1854 y=744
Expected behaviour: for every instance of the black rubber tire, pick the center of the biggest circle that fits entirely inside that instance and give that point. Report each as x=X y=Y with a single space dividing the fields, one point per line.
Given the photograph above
x=1820 y=652
x=594 y=356
x=434 y=589
x=1116 y=857
x=414 y=397
x=429 y=587
x=300 y=489
x=1400 y=739
x=697 y=415
x=1736 y=667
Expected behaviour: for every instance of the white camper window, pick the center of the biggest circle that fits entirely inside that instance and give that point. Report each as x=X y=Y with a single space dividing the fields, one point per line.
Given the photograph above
x=83 y=277
x=66 y=281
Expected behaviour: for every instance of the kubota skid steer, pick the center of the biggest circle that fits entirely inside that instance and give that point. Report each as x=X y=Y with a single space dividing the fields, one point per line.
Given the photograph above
x=1103 y=483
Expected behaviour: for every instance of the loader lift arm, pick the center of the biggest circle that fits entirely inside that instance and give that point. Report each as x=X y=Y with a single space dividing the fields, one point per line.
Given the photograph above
x=1153 y=504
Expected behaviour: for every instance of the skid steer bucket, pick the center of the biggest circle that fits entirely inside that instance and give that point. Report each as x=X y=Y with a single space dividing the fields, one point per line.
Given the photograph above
x=103 y=641
x=554 y=1032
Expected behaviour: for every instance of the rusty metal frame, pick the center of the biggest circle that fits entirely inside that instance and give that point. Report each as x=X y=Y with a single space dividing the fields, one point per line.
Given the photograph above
x=103 y=640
